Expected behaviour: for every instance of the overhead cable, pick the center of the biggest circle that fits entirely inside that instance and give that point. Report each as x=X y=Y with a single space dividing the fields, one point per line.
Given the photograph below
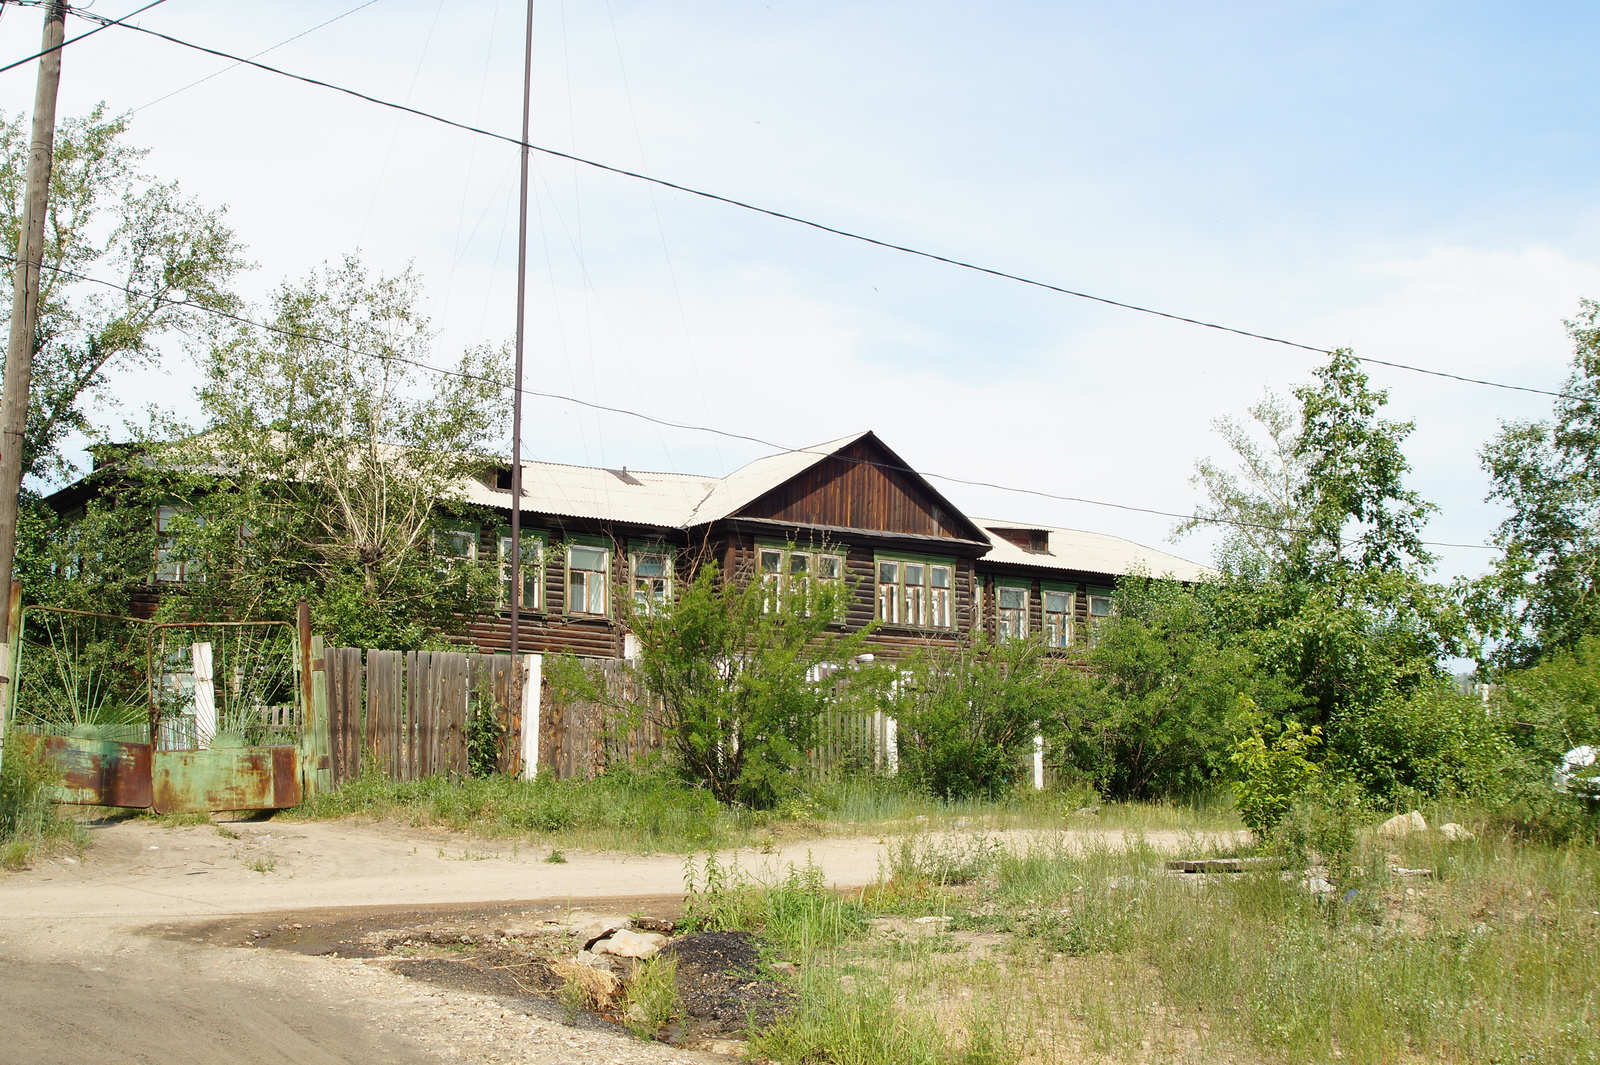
x=687 y=426
x=848 y=234
x=105 y=23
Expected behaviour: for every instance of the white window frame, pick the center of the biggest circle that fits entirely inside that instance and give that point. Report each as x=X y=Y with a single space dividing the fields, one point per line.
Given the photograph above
x=1058 y=633
x=785 y=571
x=448 y=539
x=170 y=567
x=1011 y=622
x=533 y=556
x=596 y=587
x=910 y=594
x=1100 y=608
x=651 y=592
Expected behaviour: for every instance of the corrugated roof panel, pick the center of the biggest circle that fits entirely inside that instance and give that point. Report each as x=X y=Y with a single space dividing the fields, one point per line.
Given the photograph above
x=1090 y=552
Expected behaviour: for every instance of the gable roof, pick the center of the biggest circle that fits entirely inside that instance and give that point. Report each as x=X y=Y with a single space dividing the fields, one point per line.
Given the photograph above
x=1089 y=552
x=755 y=479
x=636 y=497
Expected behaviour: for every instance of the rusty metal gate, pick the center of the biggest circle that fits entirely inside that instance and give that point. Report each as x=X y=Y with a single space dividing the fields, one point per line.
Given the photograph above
x=173 y=717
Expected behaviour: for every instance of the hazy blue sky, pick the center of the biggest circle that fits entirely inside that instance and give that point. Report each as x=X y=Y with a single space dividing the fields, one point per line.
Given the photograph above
x=1414 y=180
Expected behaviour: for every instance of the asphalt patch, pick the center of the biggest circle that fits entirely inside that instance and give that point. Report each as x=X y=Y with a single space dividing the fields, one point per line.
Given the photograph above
x=720 y=981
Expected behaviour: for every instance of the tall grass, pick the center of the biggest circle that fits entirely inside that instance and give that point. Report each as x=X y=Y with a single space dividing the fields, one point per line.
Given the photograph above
x=615 y=811
x=30 y=823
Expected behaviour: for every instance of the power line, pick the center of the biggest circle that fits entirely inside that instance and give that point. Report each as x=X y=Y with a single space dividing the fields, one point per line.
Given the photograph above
x=687 y=426
x=848 y=234
x=264 y=51
x=104 y=23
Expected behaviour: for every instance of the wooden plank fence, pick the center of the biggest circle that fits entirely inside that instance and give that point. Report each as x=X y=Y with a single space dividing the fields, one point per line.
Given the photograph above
x=412 y=714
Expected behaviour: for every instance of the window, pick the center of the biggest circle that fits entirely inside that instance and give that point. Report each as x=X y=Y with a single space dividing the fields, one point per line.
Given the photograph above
x=652 y=576
x=915 y=593
x=456 y=542
x=532 y=597
x=787 y=571
x=587 y=566
x=1058 y=608
x=1099 y=610
x=1011 y=611
x=170 y=563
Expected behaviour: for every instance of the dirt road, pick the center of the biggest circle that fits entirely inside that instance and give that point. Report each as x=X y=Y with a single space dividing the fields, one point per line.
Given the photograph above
x=97 y=963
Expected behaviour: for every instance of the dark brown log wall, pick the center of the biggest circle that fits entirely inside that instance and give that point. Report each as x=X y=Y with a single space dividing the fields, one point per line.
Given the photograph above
x=848 y=491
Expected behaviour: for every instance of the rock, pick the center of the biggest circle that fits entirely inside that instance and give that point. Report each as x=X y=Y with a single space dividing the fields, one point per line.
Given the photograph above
x=590 y=928
x=626 y=943
x=1086 y=811
x=595 y=961
x=1455 y=833
x=731 y=1047
x=932 y=920
x=788 y=968
x=1403 y=825
x=1318 y=886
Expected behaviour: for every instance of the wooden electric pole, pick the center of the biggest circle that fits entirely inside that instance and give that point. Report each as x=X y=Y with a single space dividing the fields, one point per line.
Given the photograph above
x=25 y=293
x=516 y=377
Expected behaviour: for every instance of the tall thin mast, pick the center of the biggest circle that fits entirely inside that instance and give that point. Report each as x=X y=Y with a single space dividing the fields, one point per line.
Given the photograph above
x=522 y=311
x=25 y=294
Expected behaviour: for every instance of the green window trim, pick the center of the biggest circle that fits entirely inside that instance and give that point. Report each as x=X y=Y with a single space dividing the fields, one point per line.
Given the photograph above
x=786 y=568
x=915 y=591
x=535 y=547
x=588 y=585
x=1012 y=610
x=1058 y=607
x=651 y=582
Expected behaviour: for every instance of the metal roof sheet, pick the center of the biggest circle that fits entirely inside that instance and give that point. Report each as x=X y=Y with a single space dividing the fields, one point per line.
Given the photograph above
x=1089 y=552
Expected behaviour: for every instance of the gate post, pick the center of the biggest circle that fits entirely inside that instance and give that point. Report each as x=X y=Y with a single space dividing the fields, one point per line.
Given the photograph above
x=316 y=769
x=8 y=662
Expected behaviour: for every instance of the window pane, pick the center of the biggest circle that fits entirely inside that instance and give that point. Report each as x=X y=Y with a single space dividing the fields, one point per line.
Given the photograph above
x=914 y=573
x=939 y=608
x=590 y=558
x=771 y=561
x=1013 y=598
x=888 y=572
x=1099 y=606
x=939 y=576
x=1056 y=602
x=650 y=564
x=799 y=563
x=597 y=593
x=828 y=567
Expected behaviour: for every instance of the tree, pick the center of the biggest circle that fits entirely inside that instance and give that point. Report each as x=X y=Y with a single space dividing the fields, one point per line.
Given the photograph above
x=736 y=670
x=968 y=714
x=1151 y=719
x=172 y=259
x=330 y=467
x=1335 y=601
x=1542 y=595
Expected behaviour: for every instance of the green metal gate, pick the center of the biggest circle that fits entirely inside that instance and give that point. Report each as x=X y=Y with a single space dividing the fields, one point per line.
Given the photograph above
x=174 y=717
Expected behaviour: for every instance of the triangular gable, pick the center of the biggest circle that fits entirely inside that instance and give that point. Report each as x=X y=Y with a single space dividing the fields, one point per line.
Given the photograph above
x=861 y=484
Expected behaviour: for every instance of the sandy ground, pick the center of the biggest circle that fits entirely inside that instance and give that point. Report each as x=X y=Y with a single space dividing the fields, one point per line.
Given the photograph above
x=94 y=966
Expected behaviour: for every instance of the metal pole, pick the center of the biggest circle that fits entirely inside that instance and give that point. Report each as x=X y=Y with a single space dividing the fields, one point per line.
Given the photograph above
x=522 y=308
x=25 y=292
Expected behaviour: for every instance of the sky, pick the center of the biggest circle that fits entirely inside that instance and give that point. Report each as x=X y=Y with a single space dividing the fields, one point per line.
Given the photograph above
x=1414 y=181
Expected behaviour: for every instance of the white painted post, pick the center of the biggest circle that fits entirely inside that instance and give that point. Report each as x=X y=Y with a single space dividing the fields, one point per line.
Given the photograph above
x=1038 y=763
x=877 y=741
x=532 y=680
x=205 y=696
x=891 y=732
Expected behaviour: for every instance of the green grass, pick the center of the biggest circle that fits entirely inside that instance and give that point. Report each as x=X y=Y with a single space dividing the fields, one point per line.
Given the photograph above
x=1100 y=954
x=617 y=811
x=31 y=824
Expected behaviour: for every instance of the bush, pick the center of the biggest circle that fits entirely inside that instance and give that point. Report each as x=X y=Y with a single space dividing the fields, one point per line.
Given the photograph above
x=29 y=820
x=1272 y=776
x=1434 y=742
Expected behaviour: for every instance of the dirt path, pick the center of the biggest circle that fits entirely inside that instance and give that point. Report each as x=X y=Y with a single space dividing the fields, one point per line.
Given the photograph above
x=96 y=963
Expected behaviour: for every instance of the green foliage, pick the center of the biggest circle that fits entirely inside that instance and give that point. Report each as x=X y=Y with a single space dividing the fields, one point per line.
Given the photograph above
x=615 y=810
x=968 y=714
x=733 y=671
x=1541 y=596
x=1151 y=718
x=108 y=219
x=943 y=861
x=1432 y=742
x=652 y=996
x=29 y=820
x=1272 y=775
x=799 y=914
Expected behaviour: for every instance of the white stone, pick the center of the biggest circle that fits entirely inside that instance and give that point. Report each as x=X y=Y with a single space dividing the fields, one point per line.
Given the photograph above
x=1455 y=833
x=626 y=943
x=1403 y=825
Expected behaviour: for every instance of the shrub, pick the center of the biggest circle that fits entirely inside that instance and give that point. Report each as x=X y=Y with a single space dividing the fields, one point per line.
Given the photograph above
x=29 y=819
x=1272 y=775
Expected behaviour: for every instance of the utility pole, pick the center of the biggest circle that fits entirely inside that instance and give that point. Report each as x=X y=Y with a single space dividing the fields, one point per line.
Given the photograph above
x=25 y=294
x=522 y=310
